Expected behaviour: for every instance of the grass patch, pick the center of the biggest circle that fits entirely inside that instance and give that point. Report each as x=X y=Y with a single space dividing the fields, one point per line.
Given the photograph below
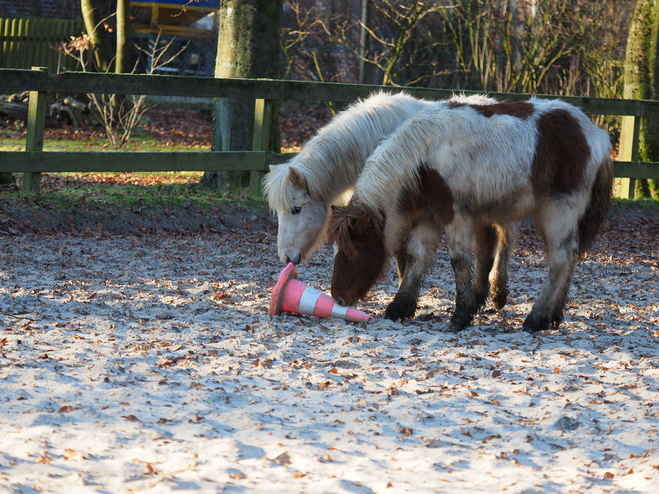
x=140 y=142
x=76 y=191
x=123 y=202
x=651 y=205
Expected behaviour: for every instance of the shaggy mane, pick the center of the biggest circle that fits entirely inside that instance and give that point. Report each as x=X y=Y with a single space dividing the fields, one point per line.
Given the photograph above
x=275 y=187
x=333 y=159
x=339 y=226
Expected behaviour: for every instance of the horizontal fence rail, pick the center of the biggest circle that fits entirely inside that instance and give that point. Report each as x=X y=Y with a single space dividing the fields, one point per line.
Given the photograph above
x=79 y=162
x=33 y=161
x=273 y=89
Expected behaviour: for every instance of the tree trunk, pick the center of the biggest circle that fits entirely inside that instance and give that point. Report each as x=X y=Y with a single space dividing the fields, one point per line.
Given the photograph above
x=122 y=63
x=91 y=13
x=642 y=82
x=363 y=42
x=248 y=47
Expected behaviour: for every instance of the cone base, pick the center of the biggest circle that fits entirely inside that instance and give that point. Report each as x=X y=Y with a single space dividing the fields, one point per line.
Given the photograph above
x=287 y=274
x=291 y=295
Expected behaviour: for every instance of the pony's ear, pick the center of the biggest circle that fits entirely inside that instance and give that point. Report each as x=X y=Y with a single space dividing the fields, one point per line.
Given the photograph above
x=272 y=167
x=296 y=178
x=362 y=223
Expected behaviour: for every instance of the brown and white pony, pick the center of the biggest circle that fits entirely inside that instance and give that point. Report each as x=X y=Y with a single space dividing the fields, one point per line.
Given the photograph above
x=301 y=191
x=475 y=171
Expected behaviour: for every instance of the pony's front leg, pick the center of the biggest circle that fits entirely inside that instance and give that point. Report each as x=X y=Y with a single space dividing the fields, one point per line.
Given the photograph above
x=460 y=238
x=506 y=238
x=562 y=246
x=414 y=257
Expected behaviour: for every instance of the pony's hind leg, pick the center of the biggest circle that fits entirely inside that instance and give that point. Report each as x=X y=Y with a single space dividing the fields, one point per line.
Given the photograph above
x=414 y=258
x=485 y=238
x=460 y=238
x=561 y=241
x=506 y=238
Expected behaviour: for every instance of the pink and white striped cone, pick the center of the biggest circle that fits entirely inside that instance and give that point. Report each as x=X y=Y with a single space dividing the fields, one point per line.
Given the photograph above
x=291 y=295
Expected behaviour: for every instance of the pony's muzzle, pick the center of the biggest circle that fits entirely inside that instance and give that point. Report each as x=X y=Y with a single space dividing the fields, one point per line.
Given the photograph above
x=295 y=259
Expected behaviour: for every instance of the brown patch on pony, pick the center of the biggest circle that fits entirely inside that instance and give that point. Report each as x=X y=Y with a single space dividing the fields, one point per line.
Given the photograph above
x=561 y=154
x=360 y=261
x=432 y=195
x=517 y=109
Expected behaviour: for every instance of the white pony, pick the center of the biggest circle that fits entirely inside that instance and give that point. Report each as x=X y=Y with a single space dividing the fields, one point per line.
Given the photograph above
x=475 y=171
x=301 y=191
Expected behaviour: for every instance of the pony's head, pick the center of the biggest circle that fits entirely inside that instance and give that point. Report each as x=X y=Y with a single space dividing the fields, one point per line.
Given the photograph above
x=360 y=253
x=301 y=217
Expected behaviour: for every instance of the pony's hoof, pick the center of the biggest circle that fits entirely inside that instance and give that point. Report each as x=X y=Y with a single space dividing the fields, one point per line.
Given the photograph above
x=500 y=298
x=456 y=327
x=459 y=323
x=534 y=324
x=396 y=311
x=556 y=320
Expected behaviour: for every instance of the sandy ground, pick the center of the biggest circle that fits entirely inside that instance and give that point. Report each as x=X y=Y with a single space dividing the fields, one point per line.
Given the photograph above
x=147 y=362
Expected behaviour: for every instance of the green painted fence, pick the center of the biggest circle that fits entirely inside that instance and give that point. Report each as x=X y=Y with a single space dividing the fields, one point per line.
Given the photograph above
x=31 y=41
x=263 y=91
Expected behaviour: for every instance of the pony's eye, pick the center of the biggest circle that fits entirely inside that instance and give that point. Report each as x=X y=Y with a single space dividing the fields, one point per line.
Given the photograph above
x=296 y=210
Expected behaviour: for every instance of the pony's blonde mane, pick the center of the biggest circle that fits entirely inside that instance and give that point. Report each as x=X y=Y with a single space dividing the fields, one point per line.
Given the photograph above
x=331 y=161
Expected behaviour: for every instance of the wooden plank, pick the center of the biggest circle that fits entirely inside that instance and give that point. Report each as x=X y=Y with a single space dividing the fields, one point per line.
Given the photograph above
x=10 y=51
x=82 y=162
x=279 y=158
x=19 y=58
x=164 y=85
x=4 y=44
x=628 y=151
x=636 y=170
x=36 y=117
x=260 y=140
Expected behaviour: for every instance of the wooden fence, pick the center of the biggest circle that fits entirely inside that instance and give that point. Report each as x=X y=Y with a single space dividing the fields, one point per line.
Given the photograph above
x=33 y=161
x=30 y=41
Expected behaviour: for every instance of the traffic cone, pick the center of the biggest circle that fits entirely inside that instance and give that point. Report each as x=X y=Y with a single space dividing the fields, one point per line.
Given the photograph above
x=291 y=295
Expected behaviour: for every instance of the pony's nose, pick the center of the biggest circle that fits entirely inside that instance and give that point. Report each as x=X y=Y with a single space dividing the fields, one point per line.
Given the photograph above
x=341 y=301
x=295 y=260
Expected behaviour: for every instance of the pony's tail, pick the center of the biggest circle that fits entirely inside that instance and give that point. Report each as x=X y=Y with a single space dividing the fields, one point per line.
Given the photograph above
x=598 y=206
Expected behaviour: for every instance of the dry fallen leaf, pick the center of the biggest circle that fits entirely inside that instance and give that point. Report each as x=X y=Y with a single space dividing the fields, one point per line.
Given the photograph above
x=65 y=409
x=406 y=431
x=283 y=459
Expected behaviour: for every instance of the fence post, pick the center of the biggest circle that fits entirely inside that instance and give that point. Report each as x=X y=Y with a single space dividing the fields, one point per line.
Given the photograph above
x=261 y=140
x=628 y=149
x=36 y=121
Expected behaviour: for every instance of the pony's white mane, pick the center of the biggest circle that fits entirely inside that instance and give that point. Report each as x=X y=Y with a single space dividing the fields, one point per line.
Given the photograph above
x=334 y=158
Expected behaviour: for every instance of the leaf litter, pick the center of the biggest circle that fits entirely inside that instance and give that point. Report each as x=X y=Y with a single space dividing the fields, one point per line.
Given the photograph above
x=147 y=362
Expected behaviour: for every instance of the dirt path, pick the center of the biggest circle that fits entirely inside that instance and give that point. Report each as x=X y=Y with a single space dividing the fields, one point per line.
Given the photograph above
x=147 y=362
